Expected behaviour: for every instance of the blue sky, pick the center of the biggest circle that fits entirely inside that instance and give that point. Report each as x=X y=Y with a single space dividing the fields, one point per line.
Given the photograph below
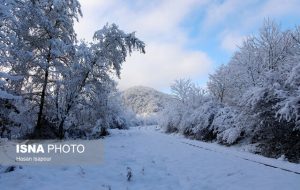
x=184 y=38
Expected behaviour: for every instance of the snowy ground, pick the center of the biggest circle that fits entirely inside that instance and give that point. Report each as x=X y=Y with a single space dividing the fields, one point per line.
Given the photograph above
x=161 y=161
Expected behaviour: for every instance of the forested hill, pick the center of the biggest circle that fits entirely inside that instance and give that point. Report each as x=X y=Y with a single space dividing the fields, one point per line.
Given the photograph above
x=145 y=100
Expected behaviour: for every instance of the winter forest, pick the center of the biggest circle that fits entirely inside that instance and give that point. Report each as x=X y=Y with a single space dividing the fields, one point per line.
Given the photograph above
x=254 y=98
x=54 y=85
x=50 y=81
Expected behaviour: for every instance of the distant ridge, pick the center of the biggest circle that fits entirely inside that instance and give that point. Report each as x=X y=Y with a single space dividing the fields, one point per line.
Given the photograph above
x=145 y=100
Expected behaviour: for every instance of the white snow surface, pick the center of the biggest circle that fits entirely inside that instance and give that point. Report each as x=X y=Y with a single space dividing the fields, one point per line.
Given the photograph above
x=160 y=161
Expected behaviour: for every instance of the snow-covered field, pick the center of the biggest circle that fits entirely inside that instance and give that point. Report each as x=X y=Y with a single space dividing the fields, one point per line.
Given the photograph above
x=160 y=161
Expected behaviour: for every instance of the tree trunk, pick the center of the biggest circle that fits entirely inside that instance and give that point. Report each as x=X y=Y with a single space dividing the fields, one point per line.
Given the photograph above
x=69 y=106
x=42 y=102
x=61 y=129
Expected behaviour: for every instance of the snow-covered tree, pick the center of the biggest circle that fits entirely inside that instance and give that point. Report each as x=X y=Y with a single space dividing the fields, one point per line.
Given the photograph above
x=255 y=96
x=45 y=65
x=219 y=83
x=90 y=81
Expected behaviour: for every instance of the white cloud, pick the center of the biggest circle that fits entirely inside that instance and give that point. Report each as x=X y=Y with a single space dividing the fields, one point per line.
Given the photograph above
x=157 y=23
x=230 y=41
x=162 y=64
x=280 y=7
x=273 y=9
x=218 y=11
x=235 y=19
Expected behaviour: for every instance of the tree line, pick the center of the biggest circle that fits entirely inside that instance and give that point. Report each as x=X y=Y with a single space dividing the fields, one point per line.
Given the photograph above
x=253 y=99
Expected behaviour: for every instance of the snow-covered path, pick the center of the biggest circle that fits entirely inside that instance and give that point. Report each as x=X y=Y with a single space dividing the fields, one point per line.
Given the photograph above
x=160 y=161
